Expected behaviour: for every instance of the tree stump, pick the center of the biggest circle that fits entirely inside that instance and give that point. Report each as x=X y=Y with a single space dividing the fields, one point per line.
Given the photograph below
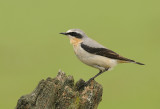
x=61 y=93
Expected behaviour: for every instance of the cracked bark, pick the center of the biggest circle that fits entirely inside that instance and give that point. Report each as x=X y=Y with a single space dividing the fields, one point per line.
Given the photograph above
x=61 y=93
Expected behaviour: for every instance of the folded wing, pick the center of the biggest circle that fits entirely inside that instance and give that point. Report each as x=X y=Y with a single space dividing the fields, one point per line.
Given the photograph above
x=104 y=52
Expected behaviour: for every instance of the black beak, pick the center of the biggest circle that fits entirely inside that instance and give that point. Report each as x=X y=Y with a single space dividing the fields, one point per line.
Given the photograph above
x=63 y=33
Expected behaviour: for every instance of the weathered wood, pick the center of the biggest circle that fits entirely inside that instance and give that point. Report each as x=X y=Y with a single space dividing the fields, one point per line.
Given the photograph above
x=61 y=93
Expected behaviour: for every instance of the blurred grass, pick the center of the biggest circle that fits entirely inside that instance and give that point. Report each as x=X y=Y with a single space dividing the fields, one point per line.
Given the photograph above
x=31 y=48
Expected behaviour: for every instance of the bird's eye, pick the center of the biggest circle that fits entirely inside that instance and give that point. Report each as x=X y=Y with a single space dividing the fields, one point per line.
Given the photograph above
x=74 y=34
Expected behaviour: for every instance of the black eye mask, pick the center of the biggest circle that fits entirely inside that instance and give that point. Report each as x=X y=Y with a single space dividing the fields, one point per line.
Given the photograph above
x=74 y=34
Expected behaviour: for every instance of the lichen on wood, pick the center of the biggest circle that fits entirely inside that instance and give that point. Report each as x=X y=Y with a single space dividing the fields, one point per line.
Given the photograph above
x=61 y=93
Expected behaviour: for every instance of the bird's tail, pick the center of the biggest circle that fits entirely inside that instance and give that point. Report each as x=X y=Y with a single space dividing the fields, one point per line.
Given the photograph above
x=132 y=61
x=139 y=63
x=129 y=61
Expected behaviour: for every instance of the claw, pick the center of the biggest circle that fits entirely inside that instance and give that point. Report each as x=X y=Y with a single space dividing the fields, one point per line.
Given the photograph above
x=85 y=84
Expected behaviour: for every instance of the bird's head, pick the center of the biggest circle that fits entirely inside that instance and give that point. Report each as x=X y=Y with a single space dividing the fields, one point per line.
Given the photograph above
x=75 y=35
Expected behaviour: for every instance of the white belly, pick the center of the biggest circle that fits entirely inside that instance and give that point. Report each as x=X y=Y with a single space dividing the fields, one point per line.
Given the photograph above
x=96 y=61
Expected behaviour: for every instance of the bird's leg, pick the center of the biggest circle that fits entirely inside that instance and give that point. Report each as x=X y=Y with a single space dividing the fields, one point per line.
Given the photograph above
x=86 y=83
x=100 y=72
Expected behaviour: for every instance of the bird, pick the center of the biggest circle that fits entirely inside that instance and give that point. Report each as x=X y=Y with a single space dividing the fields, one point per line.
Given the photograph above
x=94 y=54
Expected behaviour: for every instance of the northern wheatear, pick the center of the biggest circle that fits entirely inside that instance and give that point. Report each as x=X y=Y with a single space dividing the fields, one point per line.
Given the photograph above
x=94 y=54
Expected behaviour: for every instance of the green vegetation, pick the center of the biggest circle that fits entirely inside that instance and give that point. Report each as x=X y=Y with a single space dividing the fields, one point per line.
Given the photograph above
x=31 y=47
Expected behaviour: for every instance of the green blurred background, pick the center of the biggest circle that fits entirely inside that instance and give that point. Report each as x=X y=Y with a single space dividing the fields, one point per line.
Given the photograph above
x=32 y=49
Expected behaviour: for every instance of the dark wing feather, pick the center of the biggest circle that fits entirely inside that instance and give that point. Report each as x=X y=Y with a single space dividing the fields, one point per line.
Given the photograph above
x=104 y=52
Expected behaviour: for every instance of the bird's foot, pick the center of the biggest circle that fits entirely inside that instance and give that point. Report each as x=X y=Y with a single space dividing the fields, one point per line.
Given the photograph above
x=81 y=87
x=89 y=81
